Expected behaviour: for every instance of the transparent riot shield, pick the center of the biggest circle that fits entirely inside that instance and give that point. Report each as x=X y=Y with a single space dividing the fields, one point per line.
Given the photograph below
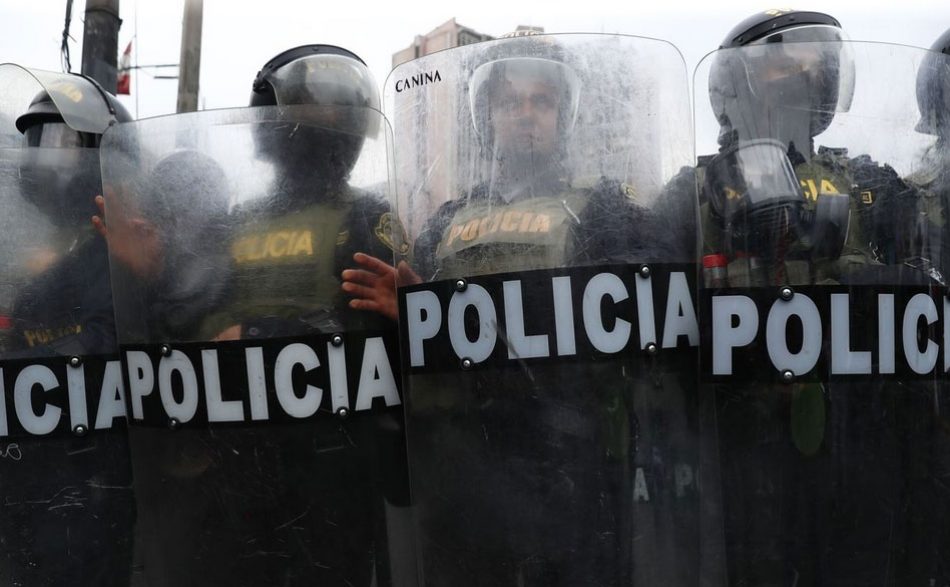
x=822 y=312
x=547 y=314
x=265 y=413
x=65 y=475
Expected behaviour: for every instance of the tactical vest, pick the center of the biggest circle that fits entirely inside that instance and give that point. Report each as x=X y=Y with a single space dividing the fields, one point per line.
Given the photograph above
x=825 y=173
x=284 y=266
x=490 y=237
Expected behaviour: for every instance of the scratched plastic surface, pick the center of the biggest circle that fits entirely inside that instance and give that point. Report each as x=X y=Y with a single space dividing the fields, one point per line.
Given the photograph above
x=67 y=506
x=527 y=160
x=230 y=226
x=826 y=181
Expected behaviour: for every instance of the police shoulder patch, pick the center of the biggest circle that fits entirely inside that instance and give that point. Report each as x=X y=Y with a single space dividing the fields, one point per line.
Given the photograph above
x=391 y=233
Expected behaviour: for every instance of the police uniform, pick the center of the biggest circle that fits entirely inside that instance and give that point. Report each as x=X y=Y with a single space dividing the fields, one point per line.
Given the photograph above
x=297 y=502
x=66 y=311
x=877 y=197
x=68 y=506
x=288 y=258
x=809 y=463
x=549 y=465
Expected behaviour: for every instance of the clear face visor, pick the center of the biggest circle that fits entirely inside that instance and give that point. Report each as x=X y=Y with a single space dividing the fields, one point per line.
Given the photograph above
x=329 y=83
x=933 y=94
x=819 y=54
x=325 y=80
x=55 y=135
x=509 y=88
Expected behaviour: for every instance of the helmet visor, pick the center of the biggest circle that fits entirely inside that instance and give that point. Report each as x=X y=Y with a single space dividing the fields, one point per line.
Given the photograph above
x=52 y=134
x=511 y=87
x=325 y=80
x=814 y=55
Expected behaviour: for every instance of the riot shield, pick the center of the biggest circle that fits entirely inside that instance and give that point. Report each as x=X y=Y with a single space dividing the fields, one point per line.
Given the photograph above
x=65 y=475
x=265 y=425
x=548 y=344
x=822 y=315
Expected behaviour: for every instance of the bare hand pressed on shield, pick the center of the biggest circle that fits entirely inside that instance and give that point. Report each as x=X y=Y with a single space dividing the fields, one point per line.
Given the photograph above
x=374 y=286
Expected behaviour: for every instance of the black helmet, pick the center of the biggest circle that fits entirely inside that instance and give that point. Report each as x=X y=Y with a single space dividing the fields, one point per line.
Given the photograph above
x=323 y=75
x=786 y=82
x=338 y=87
x=62 y=177
x=45 y=124
x=933 y=89
x=525 y=55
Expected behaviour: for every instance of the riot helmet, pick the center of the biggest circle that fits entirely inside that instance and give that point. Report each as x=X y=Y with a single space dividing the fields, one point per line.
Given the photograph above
x=521 y=85
x=933 y=90
x=523 y=96
x=59 y=171
x=337 y=97
x=781 y=75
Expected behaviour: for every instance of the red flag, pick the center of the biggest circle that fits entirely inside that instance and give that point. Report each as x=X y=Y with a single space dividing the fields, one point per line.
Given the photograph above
x=124 y=81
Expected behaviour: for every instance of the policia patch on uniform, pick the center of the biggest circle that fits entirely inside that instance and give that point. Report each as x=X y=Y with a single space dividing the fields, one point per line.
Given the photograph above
x=391 y=233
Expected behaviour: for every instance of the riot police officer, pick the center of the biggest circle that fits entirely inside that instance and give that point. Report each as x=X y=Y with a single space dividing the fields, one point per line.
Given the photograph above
x=295 y=289
x=326 y=219
x=44 y=314
x=794 y=71
x=927 y=427
x=70 y=510
x=294 y=497
x=933 y=101
x=535 y=475
x=812 y=470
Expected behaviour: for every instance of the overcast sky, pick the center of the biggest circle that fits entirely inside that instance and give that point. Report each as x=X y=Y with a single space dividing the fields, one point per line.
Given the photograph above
x=239 y=37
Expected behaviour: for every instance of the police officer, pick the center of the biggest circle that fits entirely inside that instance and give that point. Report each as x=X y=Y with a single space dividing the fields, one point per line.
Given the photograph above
x=70 y=509
x=927 y=431
x=794 y=71
x=295 y=289
x=933 y=100
x=812 y=471
x=60 y=183
x=281 y=501
x=325 y=220
x=526 y=476
x=524 y=109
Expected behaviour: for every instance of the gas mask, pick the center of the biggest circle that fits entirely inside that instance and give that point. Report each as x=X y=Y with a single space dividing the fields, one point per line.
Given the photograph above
x=757 y=199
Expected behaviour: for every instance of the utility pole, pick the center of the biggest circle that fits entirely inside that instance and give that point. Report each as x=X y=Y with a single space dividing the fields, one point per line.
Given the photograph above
x=190 y=62
x=100 y=42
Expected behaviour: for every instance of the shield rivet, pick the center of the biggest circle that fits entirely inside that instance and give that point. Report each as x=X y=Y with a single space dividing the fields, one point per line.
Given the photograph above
x=788 y=376
x=786 y=293
x=337 y=340
x=173 y=423
x=651 y=348
x=644 y=271
x=467 y=364
x=342 y=413
x=75 y=361
x=80 y=430
x=166 y=350
x=461 y=285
